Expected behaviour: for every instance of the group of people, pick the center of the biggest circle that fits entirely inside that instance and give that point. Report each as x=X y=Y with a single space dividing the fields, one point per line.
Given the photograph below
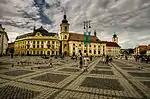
x=106 y=59
x=142 y=58
x=83 y=61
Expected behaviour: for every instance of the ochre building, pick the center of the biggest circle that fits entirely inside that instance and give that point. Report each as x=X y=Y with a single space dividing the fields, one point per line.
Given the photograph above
x=39 y=42
x=42 y=42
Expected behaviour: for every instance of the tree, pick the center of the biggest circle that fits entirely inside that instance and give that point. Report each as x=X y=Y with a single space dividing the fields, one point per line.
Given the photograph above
x=142 y=52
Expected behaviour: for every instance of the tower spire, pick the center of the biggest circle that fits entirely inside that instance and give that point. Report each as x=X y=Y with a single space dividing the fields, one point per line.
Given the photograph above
x=65 y=17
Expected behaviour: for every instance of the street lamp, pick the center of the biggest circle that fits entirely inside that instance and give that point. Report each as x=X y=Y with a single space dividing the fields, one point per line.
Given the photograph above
x=87 y=26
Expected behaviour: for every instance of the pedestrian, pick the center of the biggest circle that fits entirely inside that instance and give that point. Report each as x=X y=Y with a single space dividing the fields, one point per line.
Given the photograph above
x=80 y=61
x=107 y=59
x=50 y=62
x=110 y=59
x=104 y=59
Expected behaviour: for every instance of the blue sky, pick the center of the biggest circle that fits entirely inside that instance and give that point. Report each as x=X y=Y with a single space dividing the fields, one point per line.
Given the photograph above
x=130 y=19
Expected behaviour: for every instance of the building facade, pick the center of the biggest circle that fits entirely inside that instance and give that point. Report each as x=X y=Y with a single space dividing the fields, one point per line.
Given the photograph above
x=39 y=42
x=3 y=41
x=42 y=42
x=73 y=43
x=113 y=49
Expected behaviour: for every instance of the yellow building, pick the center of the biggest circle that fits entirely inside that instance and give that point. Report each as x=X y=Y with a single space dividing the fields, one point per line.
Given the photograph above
x=39 y=42
x=73 y=43
x=67 y=44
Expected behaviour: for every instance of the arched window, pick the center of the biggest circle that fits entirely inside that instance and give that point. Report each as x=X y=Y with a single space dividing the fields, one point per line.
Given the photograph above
x=48 y=52
x=65 y=28
x=65 y=36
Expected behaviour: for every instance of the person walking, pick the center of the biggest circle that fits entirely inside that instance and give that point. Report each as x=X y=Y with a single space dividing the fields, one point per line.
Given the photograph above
x=107 y=59
x=80 y=61
x=50 y=63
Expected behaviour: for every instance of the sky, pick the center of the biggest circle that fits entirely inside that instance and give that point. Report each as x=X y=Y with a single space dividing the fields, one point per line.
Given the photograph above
x=129 y=19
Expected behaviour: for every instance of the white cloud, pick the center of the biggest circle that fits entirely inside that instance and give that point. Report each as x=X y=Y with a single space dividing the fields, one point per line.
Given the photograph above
x=129 y=18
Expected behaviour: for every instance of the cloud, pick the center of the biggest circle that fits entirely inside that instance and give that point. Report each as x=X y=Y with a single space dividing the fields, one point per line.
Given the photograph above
x=129 y=18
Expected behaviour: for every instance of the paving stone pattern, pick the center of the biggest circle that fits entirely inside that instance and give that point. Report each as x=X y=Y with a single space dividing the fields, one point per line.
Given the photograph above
x=69 y=69
x=111 y=84
x=139 y=74
x=146 y=83
x=17 y=72
x=48 y=77
x=1 y=68
x=101 y=72
x=126 y=68
x=98 y=67
x=12 y=92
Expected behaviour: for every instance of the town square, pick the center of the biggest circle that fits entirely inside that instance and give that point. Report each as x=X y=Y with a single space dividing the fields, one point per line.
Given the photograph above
x=55 y=49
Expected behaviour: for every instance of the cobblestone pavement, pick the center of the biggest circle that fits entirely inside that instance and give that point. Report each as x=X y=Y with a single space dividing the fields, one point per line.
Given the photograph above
x=35 y=78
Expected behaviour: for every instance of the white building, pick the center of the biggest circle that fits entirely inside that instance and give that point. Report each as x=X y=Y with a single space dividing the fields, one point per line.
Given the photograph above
x=3 y=41
x=113 y=49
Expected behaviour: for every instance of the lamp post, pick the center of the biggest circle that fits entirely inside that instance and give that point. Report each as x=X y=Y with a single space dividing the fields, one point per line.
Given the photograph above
x=87 y=26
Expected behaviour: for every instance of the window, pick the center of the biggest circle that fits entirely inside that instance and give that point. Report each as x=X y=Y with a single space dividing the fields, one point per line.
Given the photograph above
x=90 y=51
x=73 y=48
x=94 y=51
x=65 y=36
x=53 y=42
x=41 y=46
x=33 y=46
x=65 y=28
x=90 y=45
x=41 y=52
x=33 y=52
x=94 y=45
x=37 y=46
x=37 y=42
x=98 y=52
x=84 y=51
x=79 y=51
x=33 y=42
x=42 y=42
x=79 y=44
x=48 y=52
x=52 y=52
x=73 y=44
x=37 y=52
x=73 y=54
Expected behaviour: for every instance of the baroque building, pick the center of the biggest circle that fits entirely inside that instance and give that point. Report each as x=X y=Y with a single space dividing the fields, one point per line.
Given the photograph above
x=39 y=42
x=73 y=43
x=42 y=42
x=3 y=41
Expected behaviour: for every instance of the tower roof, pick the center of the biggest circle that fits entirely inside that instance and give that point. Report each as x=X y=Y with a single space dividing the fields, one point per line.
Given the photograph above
x=65 y=19
x=114 y=35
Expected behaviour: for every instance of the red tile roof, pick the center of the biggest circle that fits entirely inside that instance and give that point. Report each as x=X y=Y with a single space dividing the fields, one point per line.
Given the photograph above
x=112 y=44
x=80 y=37
x=143 y=47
